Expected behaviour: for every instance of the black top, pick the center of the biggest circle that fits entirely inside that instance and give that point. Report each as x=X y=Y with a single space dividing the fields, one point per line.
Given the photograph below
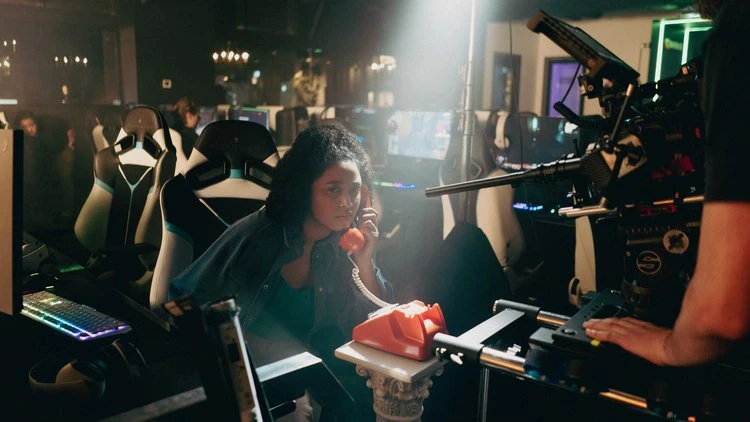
x=726 y=105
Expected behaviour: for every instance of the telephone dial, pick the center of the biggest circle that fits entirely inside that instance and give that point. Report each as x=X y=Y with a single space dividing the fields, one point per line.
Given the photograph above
x=406 y=330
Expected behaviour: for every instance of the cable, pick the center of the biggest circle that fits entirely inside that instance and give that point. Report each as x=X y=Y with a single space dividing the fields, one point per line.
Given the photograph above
x=565 y=97
x=361 y=286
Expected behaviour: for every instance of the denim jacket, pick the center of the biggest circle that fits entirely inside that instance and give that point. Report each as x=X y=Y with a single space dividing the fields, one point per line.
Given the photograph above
x=244 y=259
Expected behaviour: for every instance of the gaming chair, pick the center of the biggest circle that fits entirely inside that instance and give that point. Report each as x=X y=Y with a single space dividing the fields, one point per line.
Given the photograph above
x=490 y=209
x=227 y=177
x=119 y=222
x=105 y=133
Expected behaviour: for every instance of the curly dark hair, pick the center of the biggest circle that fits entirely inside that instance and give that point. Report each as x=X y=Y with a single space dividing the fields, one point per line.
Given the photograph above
x=314 y=150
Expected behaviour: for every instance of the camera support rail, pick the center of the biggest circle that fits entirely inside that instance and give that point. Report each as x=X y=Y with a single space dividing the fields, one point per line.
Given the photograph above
x=466 y=348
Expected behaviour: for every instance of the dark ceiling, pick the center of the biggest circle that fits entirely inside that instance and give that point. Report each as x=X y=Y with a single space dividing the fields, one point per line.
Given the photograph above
x=340 y=26
x=371 y=22
x=583 y=9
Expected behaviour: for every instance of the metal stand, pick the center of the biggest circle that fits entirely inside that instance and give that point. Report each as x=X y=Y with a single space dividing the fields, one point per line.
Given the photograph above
x=484 y=387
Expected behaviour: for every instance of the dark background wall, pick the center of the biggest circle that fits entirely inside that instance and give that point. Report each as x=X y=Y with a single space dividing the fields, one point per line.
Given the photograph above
x=174 y=40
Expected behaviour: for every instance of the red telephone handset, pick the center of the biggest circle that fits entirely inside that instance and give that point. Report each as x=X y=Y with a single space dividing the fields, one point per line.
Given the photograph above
x=354 y=240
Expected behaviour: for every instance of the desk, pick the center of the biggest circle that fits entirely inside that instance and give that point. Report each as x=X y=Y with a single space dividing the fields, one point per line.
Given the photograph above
x=399 y=385
x=170 y=368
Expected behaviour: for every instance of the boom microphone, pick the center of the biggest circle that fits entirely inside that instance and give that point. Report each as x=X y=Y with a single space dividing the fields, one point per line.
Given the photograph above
x=542 y=173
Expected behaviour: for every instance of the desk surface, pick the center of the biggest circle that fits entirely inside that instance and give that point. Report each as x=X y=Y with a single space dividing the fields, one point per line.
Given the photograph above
x=171 y=371
x=397 y=367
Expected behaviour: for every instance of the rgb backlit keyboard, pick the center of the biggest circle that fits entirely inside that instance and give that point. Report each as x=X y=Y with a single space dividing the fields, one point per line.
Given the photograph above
x=71 y=318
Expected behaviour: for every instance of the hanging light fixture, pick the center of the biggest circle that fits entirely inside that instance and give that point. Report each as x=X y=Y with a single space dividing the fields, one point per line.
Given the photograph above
x=72 y=60
x=230 y=56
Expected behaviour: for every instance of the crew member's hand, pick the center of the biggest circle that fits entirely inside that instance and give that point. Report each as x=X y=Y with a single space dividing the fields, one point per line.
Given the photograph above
x=368 y=227
x=637 y=337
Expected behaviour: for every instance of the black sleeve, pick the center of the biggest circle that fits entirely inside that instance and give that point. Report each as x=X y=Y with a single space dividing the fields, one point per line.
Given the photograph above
x=726 y=105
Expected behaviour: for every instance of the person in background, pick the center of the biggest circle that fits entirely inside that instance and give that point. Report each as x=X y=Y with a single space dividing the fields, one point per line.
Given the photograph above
x=188 y=114
x=715 y=312
x=283 y=263
x=48 y=195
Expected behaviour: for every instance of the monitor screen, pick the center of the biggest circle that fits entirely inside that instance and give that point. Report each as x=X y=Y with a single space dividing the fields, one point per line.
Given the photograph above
x=589 y=52
x=368 y=125
x=207 y=115
x=272 y=110
x=419 y=134
x=11 y=191
x=250 y=114
x=534 y=140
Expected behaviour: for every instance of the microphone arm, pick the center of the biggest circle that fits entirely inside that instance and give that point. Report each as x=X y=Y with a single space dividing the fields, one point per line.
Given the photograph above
x=542 y=173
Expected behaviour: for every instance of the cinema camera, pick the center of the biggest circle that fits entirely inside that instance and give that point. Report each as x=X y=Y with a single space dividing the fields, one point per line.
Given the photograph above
x=642 y=179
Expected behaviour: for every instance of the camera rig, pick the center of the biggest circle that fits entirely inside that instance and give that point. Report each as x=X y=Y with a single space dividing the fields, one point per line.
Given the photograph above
x=649 y=148
x=644 y=175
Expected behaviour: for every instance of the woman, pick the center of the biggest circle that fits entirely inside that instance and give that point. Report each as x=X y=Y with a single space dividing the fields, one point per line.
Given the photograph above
x=283 y=263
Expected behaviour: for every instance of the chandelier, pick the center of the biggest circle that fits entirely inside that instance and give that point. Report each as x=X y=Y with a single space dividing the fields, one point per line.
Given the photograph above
x=230 y=56
x=380 y=63
x=73 y=61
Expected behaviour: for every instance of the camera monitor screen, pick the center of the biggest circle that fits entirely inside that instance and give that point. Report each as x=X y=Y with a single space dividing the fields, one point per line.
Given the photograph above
x=588 y=51
x=250 y=114
x=535 y=140
x=419 y=134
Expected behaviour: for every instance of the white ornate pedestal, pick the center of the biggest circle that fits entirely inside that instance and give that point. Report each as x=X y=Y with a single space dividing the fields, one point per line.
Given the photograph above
x=399 y=385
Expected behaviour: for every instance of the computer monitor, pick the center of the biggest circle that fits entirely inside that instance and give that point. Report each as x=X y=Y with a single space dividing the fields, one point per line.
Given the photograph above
x=272 y=110
x=419 y=134
x=250 y=114
x=368 y=124
x=208 y=115
x=11 y=220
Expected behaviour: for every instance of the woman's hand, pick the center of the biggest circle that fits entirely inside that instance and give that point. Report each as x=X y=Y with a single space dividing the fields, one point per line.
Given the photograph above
x=363 y=258
x=368 y=227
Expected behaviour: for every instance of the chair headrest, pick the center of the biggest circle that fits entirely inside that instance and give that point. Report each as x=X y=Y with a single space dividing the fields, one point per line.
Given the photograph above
x=142 y=120
x=231 y=149
x=144 y=126
x=495 y=132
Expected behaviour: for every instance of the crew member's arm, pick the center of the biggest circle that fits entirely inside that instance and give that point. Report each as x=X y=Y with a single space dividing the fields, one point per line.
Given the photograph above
x=716 y=308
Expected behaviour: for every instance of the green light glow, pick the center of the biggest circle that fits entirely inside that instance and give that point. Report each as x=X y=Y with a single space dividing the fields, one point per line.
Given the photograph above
x=660 y=45
x=686 y=42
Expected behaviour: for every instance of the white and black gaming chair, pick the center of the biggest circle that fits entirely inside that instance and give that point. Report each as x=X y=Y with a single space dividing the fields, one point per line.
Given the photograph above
x=495 y=214
x=490 y=209
x=227 y=177
x=105 y=133
x=121 y=219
